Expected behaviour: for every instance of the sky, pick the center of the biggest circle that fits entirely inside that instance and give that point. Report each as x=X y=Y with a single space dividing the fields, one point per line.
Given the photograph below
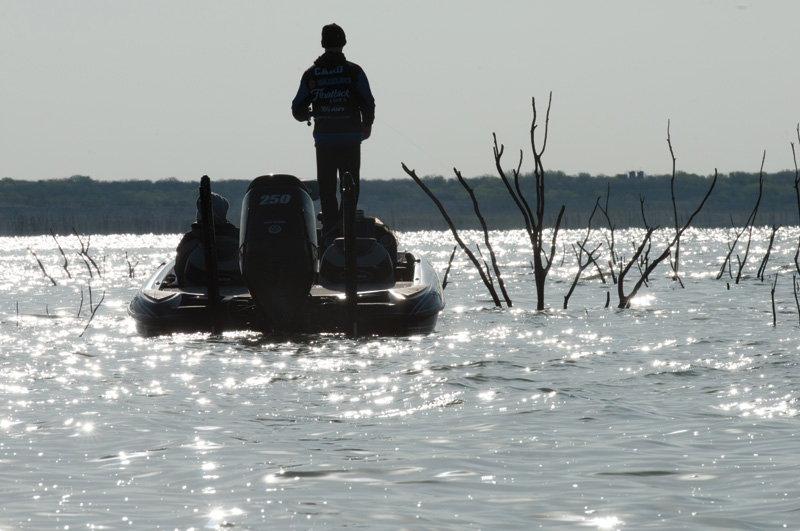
x=153 y=89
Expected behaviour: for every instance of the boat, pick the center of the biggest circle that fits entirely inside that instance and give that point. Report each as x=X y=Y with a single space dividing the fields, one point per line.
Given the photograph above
x=284 y=278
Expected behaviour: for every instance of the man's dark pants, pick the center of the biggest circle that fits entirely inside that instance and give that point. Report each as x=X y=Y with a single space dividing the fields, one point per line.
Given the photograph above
x=333 y=162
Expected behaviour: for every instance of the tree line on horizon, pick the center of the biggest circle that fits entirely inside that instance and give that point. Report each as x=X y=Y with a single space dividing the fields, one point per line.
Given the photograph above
x=88 y=206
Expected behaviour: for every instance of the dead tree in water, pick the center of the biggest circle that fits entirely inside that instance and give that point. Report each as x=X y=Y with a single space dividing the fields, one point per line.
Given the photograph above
x=772 y=293
x=579 y=252
x=748 y=227
x=492 y=256
x=797 y=193
x=534 y=222
x=484 y=275
x=752 y=220
x=63 y=254
x=93 y=310
x=84 y=254
x=676 y=263
x=642 y=251
x=613 y=259
x=41 y=266
x=131 y=266
x=763 y=267
x=796 y=299
x=449 y=265
x=726 y=263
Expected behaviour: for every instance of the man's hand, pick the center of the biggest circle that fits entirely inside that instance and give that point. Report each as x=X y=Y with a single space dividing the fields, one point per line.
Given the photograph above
x=366 y=131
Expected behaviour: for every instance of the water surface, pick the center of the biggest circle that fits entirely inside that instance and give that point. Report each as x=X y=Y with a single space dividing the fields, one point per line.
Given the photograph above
x=678 y=413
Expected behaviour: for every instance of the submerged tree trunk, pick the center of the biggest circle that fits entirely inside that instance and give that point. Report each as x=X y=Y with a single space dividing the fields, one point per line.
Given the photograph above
x=534 y=222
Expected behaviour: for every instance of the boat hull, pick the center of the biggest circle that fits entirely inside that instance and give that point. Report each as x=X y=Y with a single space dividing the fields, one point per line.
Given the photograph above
x=406 y=308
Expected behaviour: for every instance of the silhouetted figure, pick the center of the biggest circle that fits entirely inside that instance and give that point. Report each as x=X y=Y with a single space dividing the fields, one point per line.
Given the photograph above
x=343 y=109
x=189 y=257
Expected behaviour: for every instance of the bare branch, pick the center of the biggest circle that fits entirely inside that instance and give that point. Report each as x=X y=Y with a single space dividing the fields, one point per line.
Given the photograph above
x=449 y=265
x=797 y=193
x=772 y=293
x=458 y=239
x=482 y=221
x=41 y=266
x=650 y=265
x=752 y=219
x=676 y=263
x=763 y=267
x=66 y=262
x=796 y=299
x=84 y=253
x=94 y=311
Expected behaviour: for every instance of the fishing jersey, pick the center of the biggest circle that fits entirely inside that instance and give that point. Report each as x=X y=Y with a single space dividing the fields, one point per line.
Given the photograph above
x=340 y=98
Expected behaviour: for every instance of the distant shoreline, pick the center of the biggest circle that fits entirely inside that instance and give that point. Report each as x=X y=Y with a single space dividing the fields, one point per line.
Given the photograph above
x=168 y=206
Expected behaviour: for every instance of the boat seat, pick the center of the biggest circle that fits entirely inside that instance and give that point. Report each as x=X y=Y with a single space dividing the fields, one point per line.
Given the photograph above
x=228 y=272
x=371 y=227
x=374 y=268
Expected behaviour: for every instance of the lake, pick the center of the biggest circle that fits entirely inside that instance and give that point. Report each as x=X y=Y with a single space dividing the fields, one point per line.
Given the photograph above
x=680 y=412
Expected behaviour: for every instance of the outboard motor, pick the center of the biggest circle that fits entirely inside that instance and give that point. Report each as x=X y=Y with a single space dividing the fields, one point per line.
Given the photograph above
x=278 y=248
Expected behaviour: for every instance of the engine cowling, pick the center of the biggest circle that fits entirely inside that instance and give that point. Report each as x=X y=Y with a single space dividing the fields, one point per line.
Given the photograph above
x=278 y=253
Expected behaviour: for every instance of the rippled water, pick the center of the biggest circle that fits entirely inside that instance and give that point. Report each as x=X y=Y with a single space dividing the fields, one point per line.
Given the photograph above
x=679 y=413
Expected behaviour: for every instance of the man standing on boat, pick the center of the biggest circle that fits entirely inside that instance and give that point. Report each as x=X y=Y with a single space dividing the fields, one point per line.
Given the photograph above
x=343 y=109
